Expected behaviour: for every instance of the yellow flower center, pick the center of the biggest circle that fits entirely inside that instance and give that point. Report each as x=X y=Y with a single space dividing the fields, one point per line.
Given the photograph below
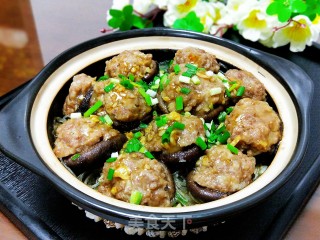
x=298 y=32
x=253 y=21
x=187 y=6
x=316 y=20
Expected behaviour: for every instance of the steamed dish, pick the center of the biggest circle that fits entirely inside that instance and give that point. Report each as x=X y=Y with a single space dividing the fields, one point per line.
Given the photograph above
x=167 y=133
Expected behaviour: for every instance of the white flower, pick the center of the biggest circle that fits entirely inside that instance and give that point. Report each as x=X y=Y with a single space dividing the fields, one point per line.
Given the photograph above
x=145 y=6
x=299 y=33
x=177 y=9
x=235 y=10
x=257 y=24
x=209 y=13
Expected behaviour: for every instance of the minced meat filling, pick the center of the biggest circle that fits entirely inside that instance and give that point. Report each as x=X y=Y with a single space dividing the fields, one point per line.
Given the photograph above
x=79 y=134
x=121 y=104
x=179 y=139
x=254 y=126
x=135 y=172
x=222 y=171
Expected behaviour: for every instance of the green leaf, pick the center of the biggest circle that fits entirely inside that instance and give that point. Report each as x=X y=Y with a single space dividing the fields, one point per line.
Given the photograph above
x=114 y=23
x=284 y=15
x=298 y=6
x=189 y=22
x=115 y=13
x=127 y=10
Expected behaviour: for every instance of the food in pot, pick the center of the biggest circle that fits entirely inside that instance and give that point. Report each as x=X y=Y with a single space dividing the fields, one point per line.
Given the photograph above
x=254 y=89
x=135 y=63
x=172 y=137
x=197 y=57
x=220 y=173
x=86 y=142
x=198 y=91
x=205 y=126
x=137 y=179
x=80 y=92
x=254 y=126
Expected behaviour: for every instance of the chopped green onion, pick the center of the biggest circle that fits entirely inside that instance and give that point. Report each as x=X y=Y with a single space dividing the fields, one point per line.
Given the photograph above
x=184 y=79
x=133 y=145
x=110 y=174
x=137 y=134
x=215 y=91
x=191 y=66
x=127 y=84
x=136 y=197
x=179 y=103
x=229 y=110
x=93 y=108
x=234 y=86
x=111 y=159
x=148 y=155
x=181 y=199
x=164 y=80
x=176 y=69
x=131 y=77
x=161 y=121
x=222 y=138
x=166 y=136
x=109 y=87
x=143 y=125
x=103 y=78
x=201 y=143
x=196 y=80
x=240 y=91
x=187 y=74
x=232 y=148
x=178 y=125
x=147 y=97
x=222 y=116
x=228 y=93
x=106 y=119
x=185 y=90
x=75 y=156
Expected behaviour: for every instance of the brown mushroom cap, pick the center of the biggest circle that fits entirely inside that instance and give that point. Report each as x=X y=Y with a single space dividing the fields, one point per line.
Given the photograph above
x=96 y=155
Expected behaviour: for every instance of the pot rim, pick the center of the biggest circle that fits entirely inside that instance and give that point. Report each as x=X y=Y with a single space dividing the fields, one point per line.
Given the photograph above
x=198 y=215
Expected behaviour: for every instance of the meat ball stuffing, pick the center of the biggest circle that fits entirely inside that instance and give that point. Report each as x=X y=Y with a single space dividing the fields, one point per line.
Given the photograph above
x=220 y=173
x=134 y=178
x=254 y=126
x=172 y=137
x=253 y=87
x=133 y=62
x=84 y=143
x=198 y=57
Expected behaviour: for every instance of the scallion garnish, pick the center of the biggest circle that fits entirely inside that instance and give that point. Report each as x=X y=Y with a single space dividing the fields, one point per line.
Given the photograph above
x=201 y=143
x=228 y=93
x=185 y=90
x=106 y=119
x=137 y=134
x=229 y=110
x=232 y=149
x=109 y=87
x=133 y=145
x=111 y=159
x=143 y=125
x=110 y=174
x=222 y=116
x=136 y=197
x=75 y=156
x=179 y=103
x=131 y=77
x=93 y=108
x=103 y=78
x=176 y=69
x=148 y=155
x=240 y=91
x=178 y=125
x=146 y=97
x=223 y=137
x=165 y=138
x=161 y=121
x=127 y=84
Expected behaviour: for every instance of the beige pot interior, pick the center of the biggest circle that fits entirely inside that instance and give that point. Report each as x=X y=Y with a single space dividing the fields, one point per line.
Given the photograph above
x=51 y=87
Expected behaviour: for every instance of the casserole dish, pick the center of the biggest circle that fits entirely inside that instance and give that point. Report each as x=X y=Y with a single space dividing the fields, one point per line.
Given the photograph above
x=28 y=117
